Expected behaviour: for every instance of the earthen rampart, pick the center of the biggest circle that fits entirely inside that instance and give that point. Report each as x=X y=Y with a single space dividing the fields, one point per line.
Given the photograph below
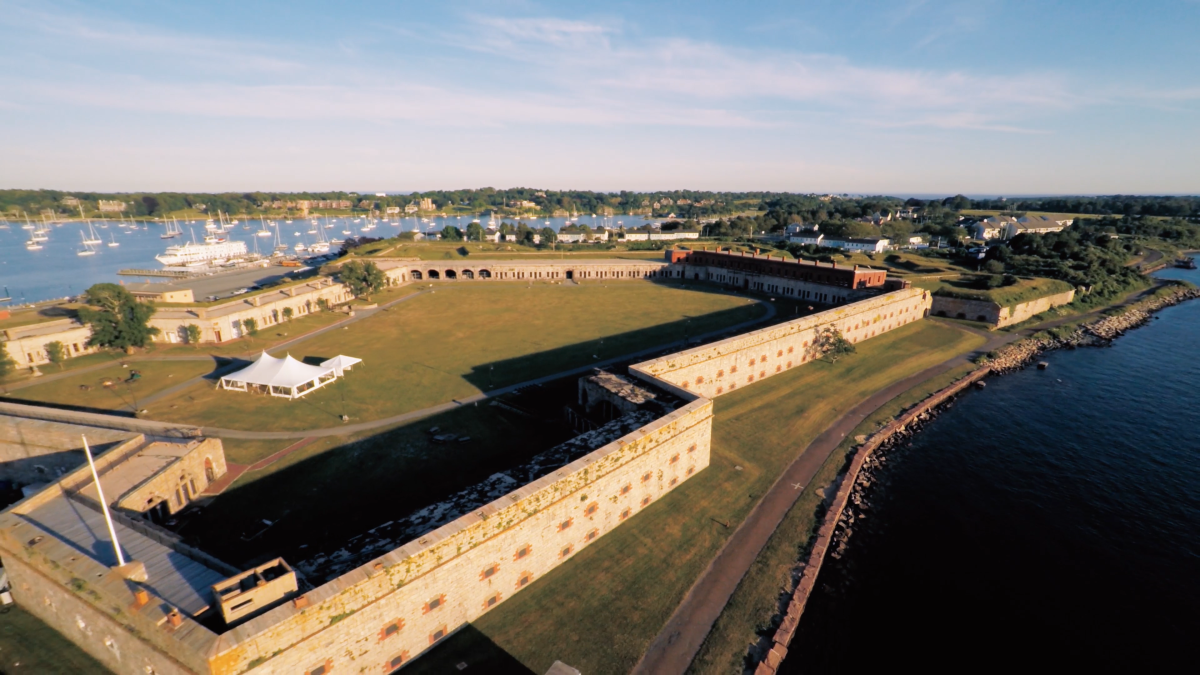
x=738 y=361
x=990 y=312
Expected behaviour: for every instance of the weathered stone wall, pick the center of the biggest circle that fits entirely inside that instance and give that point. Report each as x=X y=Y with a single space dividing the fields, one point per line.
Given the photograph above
x=582 y=270
x=39 y=451
x=798 y=289
x=441 y=581
x=122 y=640
x=26 y=345
x=738 y=361
x=216 y=323
x=181 y=482
x=1026 y=310
x=992 y=313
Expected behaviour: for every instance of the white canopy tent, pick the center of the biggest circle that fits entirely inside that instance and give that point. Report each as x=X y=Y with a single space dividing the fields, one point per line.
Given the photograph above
x=286 y=377
x=340 y=364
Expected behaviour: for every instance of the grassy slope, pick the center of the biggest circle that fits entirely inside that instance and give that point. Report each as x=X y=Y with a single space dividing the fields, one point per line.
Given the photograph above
x=29 y=646
x=156 y=376
x=1006 y=296
x=599 y=611
x=756 y=601
x=464 y=339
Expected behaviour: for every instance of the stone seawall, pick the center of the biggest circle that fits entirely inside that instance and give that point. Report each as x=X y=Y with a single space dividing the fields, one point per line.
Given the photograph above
x=824 y=540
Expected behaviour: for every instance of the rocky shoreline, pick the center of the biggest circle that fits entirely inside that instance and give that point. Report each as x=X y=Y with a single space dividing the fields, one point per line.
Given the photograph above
x=851 y=502
x=1097 y=333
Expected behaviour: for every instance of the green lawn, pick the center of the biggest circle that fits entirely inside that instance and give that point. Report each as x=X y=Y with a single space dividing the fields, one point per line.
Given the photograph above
x=1026 y=289
x=29 y=646
x=599 y=611
x=756 y=601
x=463 y=339
x=88 y=389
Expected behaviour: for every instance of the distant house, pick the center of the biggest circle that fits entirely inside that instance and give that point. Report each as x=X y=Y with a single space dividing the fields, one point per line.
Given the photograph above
x=411 y=207
x=808 y=238
x=865 y=245
x=1035 y=225
x=635 y=236
x=992 y=227
x=111 y=206
x=570 y=238
x=392 y=210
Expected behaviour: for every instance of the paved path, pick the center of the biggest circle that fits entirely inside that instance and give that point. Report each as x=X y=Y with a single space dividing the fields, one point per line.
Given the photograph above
x=234 y=471
x=676 y=645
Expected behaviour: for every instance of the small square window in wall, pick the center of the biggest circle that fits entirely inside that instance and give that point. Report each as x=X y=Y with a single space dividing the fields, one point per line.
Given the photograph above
x=321 y=669
x=591 y=536
x=565 y=552
x=779 y=353
x=691 y=470
x=435 y=603
x=750 y=378
x=566 y=524
x=625 y=514
x=524 y=579
x=720 y=373
x=492 y=601
x=397 y=660
x=700 y=380
x=752 y=362
x=646 y=500
x=789 y=364
x=646 y=477
x=763 y=358
x=674 y=458
x=523 y=551
x=762 y=373
x=592 y=509
x=673 y=482
x=720 y=390
x=692 y=447
x=778 y=368
x=626 y=488
x=489 y=572
x=790 y=349
x=391 y=629
x=685 y=385
x=732 y=369
x=437 y=635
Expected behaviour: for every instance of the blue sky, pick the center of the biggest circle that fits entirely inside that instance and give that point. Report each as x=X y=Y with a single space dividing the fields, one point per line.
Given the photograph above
x=920 y=96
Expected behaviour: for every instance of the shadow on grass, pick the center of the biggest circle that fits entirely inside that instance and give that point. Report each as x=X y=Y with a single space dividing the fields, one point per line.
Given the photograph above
x=321 y=502
x=482 y=656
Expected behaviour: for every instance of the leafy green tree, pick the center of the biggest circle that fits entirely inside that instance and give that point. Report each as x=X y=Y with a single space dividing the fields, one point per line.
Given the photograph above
x=548 y=235
x=56 y=352
x=451 y=233
x=994 y=267
x=250 y=326
x=193 y=333
x=363 y=278
x=287 y=313
x=474 y=232
x=6 y=364
x=832 y=345
x=117 y=319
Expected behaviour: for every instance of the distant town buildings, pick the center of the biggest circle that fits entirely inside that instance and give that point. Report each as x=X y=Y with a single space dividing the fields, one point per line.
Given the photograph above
x=111 y=206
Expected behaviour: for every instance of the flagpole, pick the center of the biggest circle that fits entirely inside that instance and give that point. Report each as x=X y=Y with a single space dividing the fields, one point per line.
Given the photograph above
x=112 y=531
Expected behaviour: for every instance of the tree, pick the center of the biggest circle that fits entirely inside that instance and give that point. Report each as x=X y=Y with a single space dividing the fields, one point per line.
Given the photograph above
x=251 y=326
x=831 y=344
x=363 y=278
x=451 y=233
x=994 y=267
x=193 y=333
x=474 y=232
x=6 y=364
x=287 y=313
x=56 y=353
x=548 y=235
x=117 y=319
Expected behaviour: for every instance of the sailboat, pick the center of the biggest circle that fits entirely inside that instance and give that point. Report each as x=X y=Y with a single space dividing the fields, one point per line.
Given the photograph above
x=279 y=245
x=263 y=232
x=113 y=243
x=87 y=247
x=173 y=229
x=92 y=239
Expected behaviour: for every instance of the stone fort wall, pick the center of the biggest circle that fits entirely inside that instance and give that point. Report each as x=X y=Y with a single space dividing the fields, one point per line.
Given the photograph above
x=581 y=270
x=431 y=587
x=738 y=361
x=992 y=313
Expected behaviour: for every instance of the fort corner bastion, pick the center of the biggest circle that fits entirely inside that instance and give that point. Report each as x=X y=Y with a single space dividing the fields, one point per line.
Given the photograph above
x=387 y=611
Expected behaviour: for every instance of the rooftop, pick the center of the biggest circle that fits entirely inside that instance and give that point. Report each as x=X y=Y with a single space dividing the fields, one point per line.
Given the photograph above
x=132 y=472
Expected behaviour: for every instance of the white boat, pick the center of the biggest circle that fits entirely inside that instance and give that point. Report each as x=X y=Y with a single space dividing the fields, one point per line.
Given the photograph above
x=319 y=247
x=87 y=248
x=263 y=232
x=210 y=225
x=114 y=243
x=192 y=253
x=93 y=238
x=33 y=246
x=300 y=248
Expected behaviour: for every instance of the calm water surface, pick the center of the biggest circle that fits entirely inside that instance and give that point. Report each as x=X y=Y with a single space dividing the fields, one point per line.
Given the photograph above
x=1051 y=520
x=57 y=271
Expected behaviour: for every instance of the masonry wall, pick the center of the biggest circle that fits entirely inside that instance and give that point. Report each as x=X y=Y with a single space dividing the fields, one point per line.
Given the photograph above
x=27 y=349
x=109 y=640
x=38 y=451
x=507 y=270
x=738 y=361
x=440 y=582
x=790 y=288
x=1026 y=310
x=181 y=482
x=216 y=323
